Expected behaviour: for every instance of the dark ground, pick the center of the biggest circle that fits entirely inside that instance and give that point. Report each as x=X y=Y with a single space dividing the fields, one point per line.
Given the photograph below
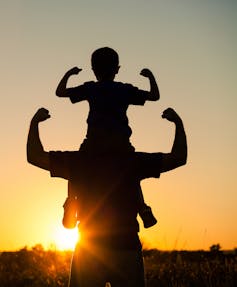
x=37 y=267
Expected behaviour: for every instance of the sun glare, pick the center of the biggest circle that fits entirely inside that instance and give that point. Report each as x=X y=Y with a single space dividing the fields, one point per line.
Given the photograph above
x=66 y=239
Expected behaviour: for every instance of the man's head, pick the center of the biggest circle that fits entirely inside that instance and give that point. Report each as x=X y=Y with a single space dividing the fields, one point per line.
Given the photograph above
x=105 y=63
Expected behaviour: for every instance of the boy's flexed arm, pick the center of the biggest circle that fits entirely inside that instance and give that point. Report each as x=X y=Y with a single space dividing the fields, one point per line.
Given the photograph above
x=62 y=90
x=154 y=94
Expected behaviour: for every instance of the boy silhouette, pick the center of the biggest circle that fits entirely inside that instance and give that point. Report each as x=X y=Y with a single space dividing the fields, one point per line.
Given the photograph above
x=108 y=128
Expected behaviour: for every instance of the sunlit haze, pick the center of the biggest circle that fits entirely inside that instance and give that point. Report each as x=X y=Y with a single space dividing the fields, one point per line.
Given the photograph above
x=189 y=45
x=66 y=239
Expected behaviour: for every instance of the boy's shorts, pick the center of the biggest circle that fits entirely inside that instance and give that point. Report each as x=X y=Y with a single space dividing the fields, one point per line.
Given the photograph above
x=95 y=146
x=95 y=266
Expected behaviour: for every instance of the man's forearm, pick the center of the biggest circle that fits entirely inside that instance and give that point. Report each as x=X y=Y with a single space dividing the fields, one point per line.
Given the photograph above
x=179 y=149
x=35 y=151
x=178 y=155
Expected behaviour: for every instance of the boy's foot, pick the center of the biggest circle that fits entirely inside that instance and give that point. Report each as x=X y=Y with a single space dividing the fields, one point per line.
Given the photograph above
x=70 y=213
x=147 y=217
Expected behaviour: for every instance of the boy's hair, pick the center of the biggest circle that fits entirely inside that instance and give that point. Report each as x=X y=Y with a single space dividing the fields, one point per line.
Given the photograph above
x=105 y=62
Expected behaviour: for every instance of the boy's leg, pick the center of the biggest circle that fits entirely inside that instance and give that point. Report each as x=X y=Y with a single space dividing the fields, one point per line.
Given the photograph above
x=106 y=144
x=145 y=211
x=70 y=210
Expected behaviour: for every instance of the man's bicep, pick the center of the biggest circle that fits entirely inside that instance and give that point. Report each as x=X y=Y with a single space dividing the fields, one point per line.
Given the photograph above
x=41 y=160
x=168 y=162
x=60 y=163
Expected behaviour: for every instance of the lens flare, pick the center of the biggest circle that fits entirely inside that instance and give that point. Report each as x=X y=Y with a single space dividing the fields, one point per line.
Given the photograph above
x=66 y=239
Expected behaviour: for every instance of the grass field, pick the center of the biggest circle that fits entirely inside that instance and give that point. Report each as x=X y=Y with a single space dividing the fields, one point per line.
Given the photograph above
x=37 y=267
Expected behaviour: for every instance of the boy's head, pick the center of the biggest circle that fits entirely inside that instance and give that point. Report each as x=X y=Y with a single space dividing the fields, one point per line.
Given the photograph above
x=105 y=63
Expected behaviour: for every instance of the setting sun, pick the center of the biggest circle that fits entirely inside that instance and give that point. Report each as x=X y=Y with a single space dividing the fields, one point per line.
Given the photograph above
x=66 y=239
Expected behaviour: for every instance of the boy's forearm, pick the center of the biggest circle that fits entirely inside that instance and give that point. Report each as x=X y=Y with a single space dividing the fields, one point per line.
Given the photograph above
x=62 y=90
x=62 y=86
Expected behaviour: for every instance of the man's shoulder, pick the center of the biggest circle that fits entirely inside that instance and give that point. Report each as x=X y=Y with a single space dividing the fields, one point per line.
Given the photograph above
x=147 y=155
x=66 y=155
x=148 y=164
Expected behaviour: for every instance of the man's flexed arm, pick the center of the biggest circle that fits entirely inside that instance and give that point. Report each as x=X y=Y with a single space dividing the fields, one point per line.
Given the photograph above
x=35 y=151
x=178 y=155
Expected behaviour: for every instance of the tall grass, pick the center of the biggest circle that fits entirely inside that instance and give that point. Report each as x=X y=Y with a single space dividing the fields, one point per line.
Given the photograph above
x=37 y=267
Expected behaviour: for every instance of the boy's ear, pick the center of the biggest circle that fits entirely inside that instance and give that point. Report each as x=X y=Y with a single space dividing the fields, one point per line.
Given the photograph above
x=117 y=70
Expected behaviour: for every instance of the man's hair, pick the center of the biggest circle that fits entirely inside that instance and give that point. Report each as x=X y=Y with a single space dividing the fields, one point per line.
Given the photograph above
x=104 y=61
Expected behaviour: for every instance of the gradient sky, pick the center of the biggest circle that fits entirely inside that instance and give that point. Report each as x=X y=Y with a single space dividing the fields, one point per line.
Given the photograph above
x=191 y=48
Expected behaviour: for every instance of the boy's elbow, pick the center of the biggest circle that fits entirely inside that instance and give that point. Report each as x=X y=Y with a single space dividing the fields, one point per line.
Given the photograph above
x=62 y=93
x=58 y=93
x=154 y=97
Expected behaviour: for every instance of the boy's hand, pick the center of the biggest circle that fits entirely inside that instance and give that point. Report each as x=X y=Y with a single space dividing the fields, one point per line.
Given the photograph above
x=171 y=115
x=41 y=115
x=74 y=71
x=146 y=73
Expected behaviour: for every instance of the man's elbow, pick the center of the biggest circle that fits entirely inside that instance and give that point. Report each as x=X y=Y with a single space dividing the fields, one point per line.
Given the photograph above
x=41 y=161
x=170 y=162
x=180 y=161
x=32 y=159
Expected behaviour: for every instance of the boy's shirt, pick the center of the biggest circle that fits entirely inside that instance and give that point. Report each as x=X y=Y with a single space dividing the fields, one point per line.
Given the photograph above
x=108 y=102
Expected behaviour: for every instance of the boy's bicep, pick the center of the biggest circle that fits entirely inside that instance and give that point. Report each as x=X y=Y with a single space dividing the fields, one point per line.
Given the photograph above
x=138 y=97
x=76 y=94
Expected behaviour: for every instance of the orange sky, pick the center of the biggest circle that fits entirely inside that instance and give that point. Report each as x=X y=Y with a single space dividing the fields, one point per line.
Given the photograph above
x=191 y=49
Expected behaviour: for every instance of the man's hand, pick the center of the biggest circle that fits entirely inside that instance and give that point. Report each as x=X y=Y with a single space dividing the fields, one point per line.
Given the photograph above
x=171 y=115
x=74 y=71
x=146 y=73
x=41 y=115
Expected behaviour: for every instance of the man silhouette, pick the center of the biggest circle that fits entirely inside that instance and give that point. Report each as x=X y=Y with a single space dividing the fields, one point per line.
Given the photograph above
x=110 y=249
